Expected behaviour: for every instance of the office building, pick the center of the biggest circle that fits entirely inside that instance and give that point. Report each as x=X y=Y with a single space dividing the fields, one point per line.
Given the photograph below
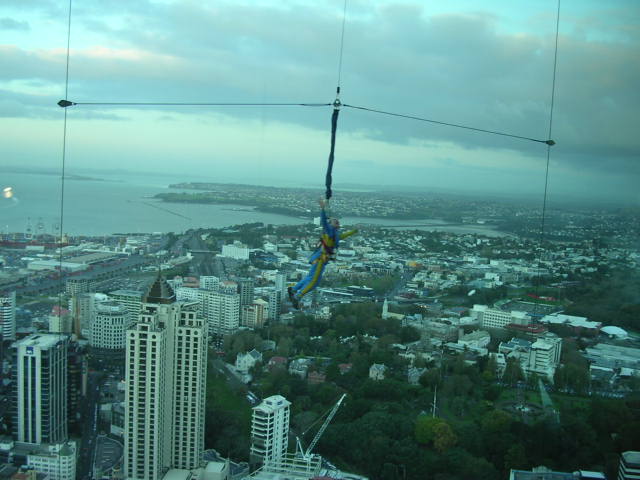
x=82 y=308
x=269 y=431
x=8 y=315
x=77 y=370
x=165 y=374
x=40 y=376
x=109 y=327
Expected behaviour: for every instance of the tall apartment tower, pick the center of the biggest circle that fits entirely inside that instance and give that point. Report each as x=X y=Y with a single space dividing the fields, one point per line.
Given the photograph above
x=209 y=282
x=40 y=375
x=222 y=312
x=8 y=315
x=269 y=431
x=165 y=374
x=253 y=315
x=245 y=290
x=281 y=282
x=275 y=305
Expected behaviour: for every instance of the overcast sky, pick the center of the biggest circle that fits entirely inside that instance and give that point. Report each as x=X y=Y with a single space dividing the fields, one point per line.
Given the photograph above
x=484 y=64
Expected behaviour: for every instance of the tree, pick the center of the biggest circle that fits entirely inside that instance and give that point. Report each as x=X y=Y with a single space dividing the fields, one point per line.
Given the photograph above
x=425 y=428
x=516 y=457
x=332 y=372
x=443 y=437
x=513 y=371
x=430 y=378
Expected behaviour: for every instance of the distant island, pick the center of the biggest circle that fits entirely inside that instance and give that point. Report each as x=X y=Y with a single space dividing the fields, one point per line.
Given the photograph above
x=302 y=202
x=53 y=172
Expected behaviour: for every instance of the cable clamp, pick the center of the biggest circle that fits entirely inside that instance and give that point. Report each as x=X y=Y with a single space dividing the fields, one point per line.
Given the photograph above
x=65 y=103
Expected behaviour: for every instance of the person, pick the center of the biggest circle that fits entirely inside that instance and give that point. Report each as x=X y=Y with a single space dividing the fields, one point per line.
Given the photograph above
x=325 y=252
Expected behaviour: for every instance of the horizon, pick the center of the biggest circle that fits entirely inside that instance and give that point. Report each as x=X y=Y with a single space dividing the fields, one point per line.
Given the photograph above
x=488 y=67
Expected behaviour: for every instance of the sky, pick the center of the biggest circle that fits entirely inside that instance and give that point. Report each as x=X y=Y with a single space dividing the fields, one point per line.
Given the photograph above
x=485 y=64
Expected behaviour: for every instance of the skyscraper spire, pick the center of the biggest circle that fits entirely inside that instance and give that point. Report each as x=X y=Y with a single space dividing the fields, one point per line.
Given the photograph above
x=160 y=291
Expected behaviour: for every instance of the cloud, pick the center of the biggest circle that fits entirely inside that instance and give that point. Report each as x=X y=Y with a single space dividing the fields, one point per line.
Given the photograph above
x=11 y=24
x=478 y=68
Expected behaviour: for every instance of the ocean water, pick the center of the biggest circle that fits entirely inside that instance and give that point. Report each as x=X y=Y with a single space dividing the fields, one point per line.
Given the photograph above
x=124 y=204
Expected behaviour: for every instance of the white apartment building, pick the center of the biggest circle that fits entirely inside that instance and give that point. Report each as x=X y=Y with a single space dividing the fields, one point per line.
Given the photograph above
x=281 y=282
x=188 y=294
x=56 y=461
x=228 y=286
x=8 y=315
x=40 y=375
x=494 y=318
x=165 y=374
x=109 y=326
x=237 y=250
x=209 y=282
x=269 y=431
x=221 y=312
x=544 y=356
x=275 y=305
x=60 y=322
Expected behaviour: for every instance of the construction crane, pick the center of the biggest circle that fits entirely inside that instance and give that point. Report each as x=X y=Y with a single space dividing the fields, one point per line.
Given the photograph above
x=307 y=454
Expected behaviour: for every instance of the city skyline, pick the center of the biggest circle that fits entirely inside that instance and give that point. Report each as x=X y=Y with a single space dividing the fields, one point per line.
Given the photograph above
x=488 y=67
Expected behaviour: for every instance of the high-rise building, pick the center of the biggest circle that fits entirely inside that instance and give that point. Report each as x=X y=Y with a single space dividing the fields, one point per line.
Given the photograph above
x=8 y=315
x=165 y=374
x=40 y=377
x=222 y=312
x=82 y=307
x=270 y=431
x=76 y=384
x=245 y=290
x=131 y=299
x=253 y=315
x=109 y=326
x=275 y=305
x=208 y=282
x=281 y=282
x=60 y=320
x=629 y=466
x=80 y=284
x=228 y=286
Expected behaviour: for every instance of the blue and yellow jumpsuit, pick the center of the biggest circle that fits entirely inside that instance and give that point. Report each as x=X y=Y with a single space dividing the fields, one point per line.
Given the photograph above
x=329 y=241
